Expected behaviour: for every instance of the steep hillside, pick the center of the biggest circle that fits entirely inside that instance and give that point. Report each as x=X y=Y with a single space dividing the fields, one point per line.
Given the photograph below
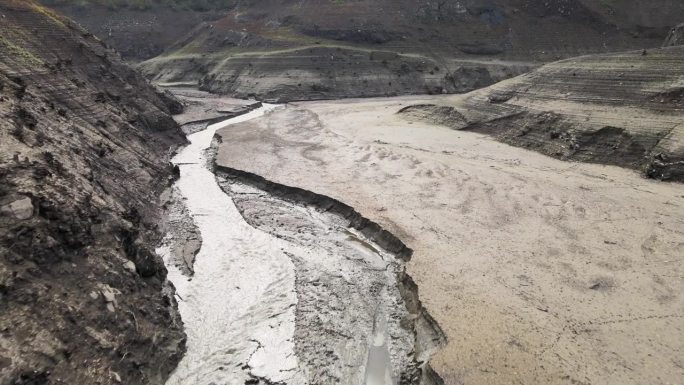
x=84 y=145
x=140 y=29
x=625 y=109
x=328 y=49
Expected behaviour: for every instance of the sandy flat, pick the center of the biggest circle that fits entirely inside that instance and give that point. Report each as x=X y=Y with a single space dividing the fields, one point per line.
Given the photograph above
x=539 y=271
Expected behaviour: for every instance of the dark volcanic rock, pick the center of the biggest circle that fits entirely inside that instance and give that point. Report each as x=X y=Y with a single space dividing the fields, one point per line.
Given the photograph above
x=83 y=156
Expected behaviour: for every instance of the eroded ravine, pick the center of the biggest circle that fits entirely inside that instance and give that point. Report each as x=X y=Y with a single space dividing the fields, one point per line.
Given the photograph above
x=288 y=290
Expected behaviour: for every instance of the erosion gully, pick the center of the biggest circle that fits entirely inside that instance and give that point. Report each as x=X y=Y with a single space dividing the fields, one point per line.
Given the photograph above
x=290 y=287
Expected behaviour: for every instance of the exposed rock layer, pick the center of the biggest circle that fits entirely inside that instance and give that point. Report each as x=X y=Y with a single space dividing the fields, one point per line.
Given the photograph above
x=84 y=144
x=328 y=73
x=343 y=291
x=284 y=50
x=624 y=109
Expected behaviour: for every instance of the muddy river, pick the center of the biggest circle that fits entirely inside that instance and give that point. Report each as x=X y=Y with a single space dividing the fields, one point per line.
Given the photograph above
x=285 y=290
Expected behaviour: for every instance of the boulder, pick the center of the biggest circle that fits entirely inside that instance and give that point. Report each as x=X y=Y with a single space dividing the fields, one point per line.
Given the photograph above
x=21 y=209
x=157 y=121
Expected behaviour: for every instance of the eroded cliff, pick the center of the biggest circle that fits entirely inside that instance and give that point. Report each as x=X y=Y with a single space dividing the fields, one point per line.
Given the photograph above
x=84 y=144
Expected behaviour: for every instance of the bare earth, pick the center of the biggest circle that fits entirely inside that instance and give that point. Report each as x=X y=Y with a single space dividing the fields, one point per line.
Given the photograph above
x=538 y=270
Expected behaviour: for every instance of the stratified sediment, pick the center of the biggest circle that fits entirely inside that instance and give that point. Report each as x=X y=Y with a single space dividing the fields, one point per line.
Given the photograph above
x=316 y=72
x=279 y=50
x=624 y=109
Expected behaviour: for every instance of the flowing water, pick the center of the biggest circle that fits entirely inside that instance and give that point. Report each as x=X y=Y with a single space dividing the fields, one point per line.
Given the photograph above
x=282 y=293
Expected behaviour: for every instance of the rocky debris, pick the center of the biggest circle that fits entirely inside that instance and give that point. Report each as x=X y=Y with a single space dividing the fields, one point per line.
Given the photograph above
x=157 y=121
x=622 y=109
x=130 y=266
x=81 y=166
x=675 y=37
x=109 y=295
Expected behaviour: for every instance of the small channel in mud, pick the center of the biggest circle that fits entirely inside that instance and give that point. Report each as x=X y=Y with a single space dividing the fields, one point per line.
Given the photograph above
x=285 y=291
x=379 y=364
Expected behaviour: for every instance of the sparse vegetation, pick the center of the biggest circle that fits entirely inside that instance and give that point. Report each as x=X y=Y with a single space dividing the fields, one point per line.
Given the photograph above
x=49 y=14
x=196 y=5
x=19 y=52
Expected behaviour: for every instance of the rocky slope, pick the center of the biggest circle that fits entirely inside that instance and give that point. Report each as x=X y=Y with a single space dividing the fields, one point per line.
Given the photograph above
x=291 y=50
x=84 y=144
x=138 y=30
x=623 y=109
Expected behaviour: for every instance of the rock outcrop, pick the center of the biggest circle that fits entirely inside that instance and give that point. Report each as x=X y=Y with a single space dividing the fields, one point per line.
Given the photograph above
x=624 y=109
x=84 y=144
x=278 y=49
x=675 y=37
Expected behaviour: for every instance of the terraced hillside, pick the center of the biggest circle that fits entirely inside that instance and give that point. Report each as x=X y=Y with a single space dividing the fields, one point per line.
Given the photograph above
x=624 y=109
x=83 y=155
x=291 y=50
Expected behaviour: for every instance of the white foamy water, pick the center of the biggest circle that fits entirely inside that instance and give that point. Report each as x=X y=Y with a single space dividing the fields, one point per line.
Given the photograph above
x=238 y=308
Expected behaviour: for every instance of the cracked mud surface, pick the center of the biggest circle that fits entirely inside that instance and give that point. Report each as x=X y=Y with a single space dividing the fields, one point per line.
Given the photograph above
x=285 y=288
x=352 y=322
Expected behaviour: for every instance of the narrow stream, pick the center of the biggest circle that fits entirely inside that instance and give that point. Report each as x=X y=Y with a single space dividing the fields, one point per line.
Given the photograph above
x=282 y=293
x=238 y=307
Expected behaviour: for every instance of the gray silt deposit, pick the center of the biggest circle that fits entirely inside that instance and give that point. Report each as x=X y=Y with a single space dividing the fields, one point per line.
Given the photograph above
x=288 y=289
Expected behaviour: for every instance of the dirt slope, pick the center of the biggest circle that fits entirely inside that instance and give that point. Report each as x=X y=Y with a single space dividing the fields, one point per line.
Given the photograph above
x=84 y=144
x=624 y=109
x=138 y=30
x=318 y=49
